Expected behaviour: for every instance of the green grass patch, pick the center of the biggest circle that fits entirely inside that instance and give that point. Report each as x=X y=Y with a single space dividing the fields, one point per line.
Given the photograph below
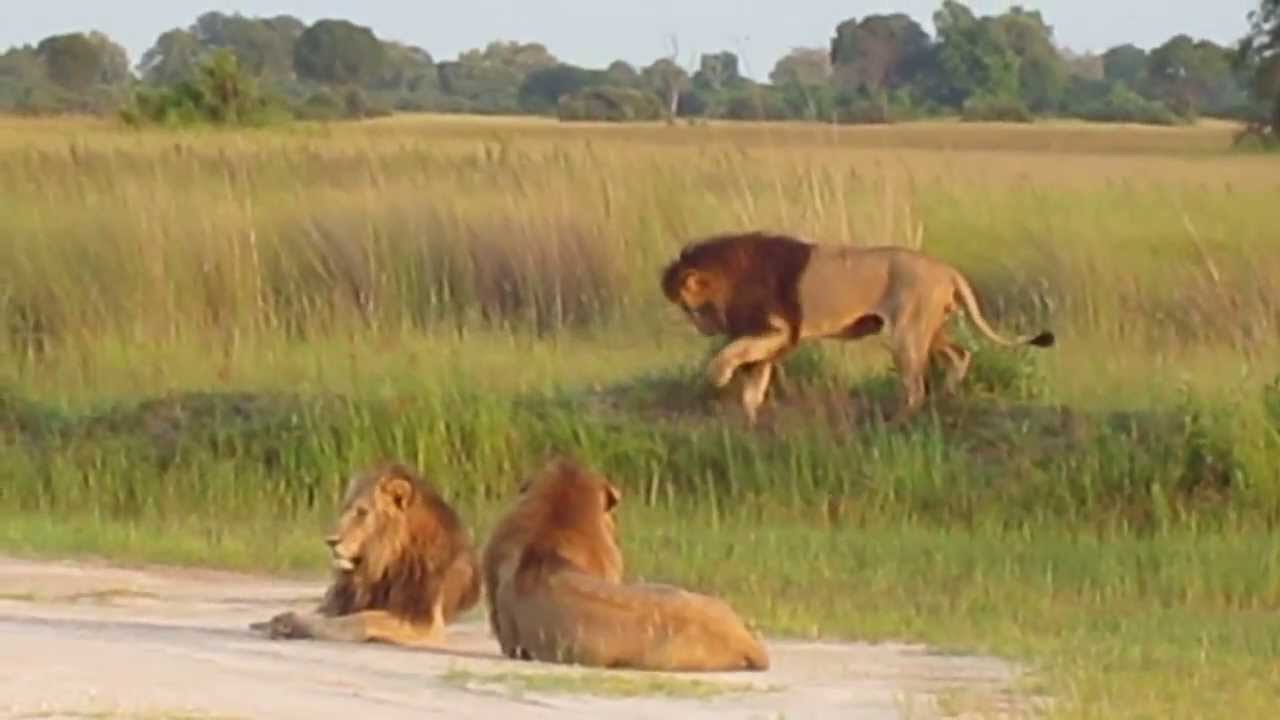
x=599 y=683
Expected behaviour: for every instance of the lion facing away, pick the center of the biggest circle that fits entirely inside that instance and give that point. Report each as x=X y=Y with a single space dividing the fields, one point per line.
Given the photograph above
x=403 y=566
x=553 y=570
x=768 y=293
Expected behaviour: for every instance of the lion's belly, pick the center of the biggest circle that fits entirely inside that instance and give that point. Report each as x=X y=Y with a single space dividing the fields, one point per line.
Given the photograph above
x=836 y=291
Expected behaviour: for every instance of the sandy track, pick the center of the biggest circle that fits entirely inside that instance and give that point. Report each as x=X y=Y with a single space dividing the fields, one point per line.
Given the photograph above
x=91 y=640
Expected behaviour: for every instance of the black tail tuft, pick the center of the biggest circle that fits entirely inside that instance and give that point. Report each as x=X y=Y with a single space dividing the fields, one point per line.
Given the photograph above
x=1043 y=340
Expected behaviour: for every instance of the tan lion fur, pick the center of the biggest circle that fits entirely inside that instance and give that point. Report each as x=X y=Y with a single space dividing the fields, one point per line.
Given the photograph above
x=403 y=566
x=553 y=571
x=768 y=293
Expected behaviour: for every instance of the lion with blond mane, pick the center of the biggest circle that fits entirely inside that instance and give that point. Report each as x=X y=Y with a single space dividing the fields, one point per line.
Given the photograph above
x=552 y=572
x=770 y=292
x=403 y=567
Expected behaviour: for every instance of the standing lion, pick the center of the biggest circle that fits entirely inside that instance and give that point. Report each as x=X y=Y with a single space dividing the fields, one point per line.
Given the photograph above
x=768 y=293
x=552 y=571
x=403 y=567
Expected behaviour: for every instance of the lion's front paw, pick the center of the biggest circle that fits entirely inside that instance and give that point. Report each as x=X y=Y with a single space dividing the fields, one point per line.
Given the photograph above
x=720 y=372
x=286 y=625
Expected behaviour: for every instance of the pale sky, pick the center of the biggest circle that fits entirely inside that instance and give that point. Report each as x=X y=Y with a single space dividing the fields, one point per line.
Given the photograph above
x=595 y=32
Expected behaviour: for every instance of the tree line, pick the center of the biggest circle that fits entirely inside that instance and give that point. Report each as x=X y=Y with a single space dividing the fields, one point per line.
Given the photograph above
x=879 y=68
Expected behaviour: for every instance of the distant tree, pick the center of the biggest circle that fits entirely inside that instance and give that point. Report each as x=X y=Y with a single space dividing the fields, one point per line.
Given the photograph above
x=481 y=87
x=21 y=65
x=717 y=72
x=974 y=59
x=489 y=80
x=803 y=81
x=1121 y=104
x=1189 y=75
x=339 y=52
x=1259 y=58
x=806 y=67
x=881 y=51
x=690 y=103
x=20 y=70
x=73 y=61
x=171 y=59
x=1088 y=66
x=1042 y=72
x=613 y=104
x=755 y=102
x=229 y=90
x=1126 y=64
x=285 y=26
x=407 y=68
x=115 y=60
x=219 y=91
x=519 y=58
x=668 y=81
x=622 y=74
x=542 y=89
x=265 y=47
x=1086 y=81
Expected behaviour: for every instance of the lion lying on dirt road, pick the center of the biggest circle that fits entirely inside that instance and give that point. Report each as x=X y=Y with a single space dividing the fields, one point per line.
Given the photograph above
x=767 y=293
x=552 y=572
x=403 y=567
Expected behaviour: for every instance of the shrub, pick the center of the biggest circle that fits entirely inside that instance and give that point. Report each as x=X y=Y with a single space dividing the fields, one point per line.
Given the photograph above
x=321 y=105
x=608 y=103
x=1124 y=105
x=752 y=104
x=878 y=107
x=220 y=92
x=989 y=108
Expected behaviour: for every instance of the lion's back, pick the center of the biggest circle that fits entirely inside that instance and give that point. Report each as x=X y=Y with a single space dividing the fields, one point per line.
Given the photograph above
x=579 y=618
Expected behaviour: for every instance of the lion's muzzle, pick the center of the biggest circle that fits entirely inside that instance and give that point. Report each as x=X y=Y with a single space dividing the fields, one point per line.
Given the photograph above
x=340 y=560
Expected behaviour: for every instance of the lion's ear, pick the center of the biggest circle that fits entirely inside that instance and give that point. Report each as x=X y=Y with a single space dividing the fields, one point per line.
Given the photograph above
x=395 y=489
x=694 y=282
x=611 y=496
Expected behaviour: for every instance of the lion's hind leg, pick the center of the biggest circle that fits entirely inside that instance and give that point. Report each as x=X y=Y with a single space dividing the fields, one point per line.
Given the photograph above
x=911 y=358
x=954 y=360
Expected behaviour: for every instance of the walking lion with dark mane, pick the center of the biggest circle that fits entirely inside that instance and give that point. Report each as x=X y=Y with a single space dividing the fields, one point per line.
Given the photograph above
x=770 y=292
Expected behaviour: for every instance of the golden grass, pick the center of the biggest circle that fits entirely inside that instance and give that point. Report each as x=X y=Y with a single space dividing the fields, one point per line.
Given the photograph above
x=410 y=222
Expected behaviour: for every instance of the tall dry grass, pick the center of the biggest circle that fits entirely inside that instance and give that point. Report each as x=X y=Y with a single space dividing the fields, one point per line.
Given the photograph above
x=429 y=225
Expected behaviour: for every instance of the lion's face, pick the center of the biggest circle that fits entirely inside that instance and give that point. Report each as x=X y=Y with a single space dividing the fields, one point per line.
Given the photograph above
x=700 y=295
x=372 y=527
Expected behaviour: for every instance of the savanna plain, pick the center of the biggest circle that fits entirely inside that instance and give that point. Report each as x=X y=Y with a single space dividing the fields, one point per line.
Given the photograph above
x=204 y=333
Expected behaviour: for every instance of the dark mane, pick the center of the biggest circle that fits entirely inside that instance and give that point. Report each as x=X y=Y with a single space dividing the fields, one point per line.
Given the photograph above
x=561 y=510
x=763 y=268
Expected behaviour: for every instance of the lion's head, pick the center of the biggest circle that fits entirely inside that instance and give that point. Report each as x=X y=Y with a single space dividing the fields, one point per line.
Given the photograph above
x=700 y=294
x=399 y=546
x=732 y=284
x=374 y=526
x=567 y=510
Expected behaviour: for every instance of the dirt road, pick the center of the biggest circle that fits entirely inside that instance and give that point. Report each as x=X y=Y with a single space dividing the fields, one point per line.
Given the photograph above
x=81 y=640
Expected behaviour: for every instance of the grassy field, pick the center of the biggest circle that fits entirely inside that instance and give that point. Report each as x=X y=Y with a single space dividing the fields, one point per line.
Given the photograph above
x=202 y=334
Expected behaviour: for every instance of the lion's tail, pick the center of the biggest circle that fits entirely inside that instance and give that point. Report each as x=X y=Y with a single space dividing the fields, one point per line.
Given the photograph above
x=964 y=294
